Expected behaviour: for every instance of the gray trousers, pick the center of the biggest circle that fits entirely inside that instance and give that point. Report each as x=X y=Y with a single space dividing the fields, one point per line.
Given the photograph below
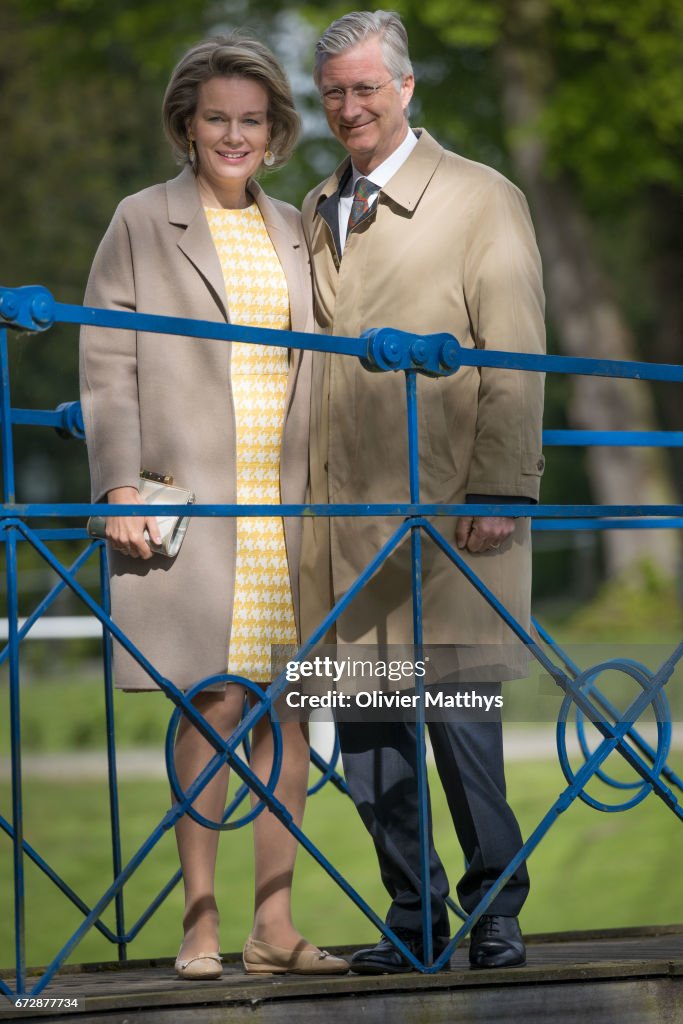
x=380 y=766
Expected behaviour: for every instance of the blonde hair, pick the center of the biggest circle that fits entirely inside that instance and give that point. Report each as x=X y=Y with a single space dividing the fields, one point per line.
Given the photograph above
x=230 y=56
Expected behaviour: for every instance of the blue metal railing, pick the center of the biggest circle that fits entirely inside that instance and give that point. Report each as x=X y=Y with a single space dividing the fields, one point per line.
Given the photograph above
x=383 y=350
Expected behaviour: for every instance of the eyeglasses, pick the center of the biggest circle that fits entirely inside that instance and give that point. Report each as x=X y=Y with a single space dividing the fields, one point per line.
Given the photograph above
x=333 y=99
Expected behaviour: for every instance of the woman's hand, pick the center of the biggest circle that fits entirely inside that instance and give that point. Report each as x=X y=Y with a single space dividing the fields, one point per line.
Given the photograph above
x=126 y=533
x=483 y=533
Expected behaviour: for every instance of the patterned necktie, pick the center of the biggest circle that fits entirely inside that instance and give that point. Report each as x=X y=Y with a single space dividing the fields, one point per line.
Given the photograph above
x=363 y=189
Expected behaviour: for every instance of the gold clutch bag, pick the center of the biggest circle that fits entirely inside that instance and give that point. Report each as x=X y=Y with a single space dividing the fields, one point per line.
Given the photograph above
x=157 y=490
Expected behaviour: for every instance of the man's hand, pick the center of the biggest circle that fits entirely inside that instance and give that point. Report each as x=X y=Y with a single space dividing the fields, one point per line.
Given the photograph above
x=126 y=533
x=482 y=533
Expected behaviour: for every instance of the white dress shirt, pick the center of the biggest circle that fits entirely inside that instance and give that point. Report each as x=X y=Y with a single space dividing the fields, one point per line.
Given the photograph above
x=380 y=176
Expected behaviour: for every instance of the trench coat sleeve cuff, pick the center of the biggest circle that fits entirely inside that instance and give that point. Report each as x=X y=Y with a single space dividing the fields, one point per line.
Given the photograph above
x=499 y=499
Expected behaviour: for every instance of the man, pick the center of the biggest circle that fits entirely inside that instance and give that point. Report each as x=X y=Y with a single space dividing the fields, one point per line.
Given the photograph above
x=429 y=242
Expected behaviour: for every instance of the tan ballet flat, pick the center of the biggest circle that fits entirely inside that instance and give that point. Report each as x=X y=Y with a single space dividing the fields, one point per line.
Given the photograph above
x=203 y=967
x=262 y=958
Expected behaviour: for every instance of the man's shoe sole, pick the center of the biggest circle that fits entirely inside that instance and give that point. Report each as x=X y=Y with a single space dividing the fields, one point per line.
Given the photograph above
x=372 y=969
x=496 y=967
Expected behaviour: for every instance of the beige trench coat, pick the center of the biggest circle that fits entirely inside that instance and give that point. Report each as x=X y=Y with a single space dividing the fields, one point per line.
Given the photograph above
x=449 y=246
x=164 y=403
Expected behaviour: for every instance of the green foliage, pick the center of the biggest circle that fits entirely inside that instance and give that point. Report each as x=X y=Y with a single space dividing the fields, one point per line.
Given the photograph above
x=613 y=113
x=66 y=713
x=643 y=606
x=81 y=98
x=458 y=23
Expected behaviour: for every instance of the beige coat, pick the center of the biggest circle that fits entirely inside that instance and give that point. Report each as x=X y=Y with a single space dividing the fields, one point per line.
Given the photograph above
x=449 y=246
x=164 y=403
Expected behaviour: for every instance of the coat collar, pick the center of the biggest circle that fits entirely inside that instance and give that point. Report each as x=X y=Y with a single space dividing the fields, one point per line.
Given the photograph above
x=405 y=188
x=411 y=179
x=185 y=210
x=288 y=246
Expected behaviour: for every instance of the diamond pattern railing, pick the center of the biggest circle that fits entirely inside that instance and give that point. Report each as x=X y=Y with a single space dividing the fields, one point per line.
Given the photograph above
x=34 y=309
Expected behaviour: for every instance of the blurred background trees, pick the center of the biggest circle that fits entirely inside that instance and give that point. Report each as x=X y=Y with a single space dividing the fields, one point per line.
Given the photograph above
x=580 y=104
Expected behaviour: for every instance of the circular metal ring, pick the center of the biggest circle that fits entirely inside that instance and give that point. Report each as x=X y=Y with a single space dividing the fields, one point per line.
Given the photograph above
x=176 y=788
x=586 y=682
x=664 y=732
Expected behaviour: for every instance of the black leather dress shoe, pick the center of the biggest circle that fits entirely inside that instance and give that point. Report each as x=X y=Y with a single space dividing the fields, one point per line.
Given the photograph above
x=384 y=958
x=496 y=941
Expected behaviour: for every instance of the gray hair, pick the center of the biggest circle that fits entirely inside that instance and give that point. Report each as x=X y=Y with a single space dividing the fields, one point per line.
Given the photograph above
x=357 y=27
x=231 y=56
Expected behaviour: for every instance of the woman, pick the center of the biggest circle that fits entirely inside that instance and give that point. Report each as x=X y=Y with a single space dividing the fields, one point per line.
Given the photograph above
x=227 y=421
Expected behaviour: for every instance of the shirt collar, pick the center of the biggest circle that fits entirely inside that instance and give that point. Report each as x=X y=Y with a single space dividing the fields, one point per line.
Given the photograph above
x=386 y=170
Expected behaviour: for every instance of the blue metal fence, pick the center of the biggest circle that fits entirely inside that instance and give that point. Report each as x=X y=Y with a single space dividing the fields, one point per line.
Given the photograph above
x=34 y=309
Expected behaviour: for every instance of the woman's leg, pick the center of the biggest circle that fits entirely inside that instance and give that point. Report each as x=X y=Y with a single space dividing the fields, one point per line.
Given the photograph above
x=274 y=847
x=197 y=846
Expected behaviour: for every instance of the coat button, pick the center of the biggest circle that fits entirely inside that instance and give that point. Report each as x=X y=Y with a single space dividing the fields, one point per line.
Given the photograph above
x=540 y=465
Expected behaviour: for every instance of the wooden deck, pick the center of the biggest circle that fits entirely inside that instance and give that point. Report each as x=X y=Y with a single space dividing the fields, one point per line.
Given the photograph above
x=633 y=976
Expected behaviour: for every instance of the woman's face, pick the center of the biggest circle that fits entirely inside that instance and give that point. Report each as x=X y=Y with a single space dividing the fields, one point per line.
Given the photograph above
x=230 y=128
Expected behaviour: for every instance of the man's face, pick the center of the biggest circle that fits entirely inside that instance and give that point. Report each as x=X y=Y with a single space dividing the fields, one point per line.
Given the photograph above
x=371 y=129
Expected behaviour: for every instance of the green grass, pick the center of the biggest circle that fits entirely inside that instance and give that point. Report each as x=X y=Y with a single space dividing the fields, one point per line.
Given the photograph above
x=640 y=607
x=592 y=870
x=66 y=712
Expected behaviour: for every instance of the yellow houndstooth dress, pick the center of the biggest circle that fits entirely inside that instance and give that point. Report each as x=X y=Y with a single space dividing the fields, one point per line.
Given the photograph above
x=256 y=289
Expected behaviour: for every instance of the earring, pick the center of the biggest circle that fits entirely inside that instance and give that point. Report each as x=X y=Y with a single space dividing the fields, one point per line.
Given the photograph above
x=191 y=154
x=268 y=156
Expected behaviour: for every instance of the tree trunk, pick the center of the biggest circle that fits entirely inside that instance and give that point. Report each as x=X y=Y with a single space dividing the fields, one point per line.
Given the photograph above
x=666 y=258
x=585 y=316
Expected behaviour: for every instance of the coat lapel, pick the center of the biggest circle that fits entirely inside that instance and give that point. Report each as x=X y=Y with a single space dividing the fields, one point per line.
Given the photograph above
x=406 y=187
x=288 y=247
x=185 y=210
x=327 y=206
